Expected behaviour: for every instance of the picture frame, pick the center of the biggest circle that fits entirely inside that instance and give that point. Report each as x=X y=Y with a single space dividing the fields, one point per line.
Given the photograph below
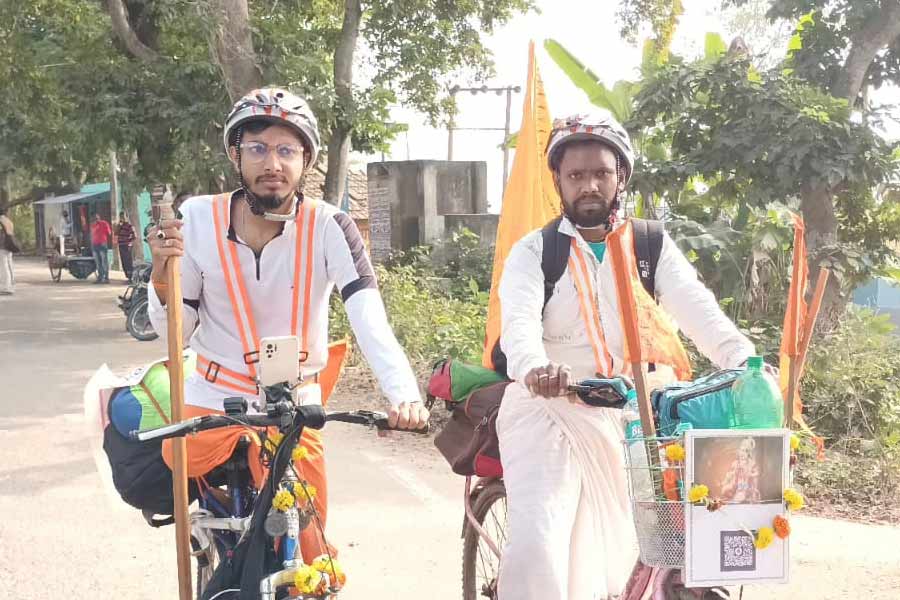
x=746 y=472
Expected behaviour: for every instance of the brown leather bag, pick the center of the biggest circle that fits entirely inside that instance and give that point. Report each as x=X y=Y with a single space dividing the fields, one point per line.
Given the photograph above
x=469 y=439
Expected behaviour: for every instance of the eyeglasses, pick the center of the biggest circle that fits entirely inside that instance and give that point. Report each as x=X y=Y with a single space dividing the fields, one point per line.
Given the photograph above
x=256 y=152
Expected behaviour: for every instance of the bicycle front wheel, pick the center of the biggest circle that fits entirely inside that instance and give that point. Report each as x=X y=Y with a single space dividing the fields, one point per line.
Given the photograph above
x=481 y=567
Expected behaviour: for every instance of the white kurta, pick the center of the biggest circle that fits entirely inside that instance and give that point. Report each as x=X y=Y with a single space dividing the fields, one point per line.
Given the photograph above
x=570 y=530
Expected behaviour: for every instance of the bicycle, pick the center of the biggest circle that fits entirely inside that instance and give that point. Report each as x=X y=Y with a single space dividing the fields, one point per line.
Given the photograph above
x=484 y=526
x=240 y=523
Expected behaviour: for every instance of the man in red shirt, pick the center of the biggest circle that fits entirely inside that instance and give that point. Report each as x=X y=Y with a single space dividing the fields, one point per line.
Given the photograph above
x=101 y=232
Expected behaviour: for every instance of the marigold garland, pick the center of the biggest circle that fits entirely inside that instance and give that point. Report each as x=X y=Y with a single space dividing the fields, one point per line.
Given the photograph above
x=781 y=526
x=764 y=538
x=794 y=499
x=307 y=579
x=283 y=500
x=698 y=493
x=331 y=567
x=675 y=453
x=300 y=453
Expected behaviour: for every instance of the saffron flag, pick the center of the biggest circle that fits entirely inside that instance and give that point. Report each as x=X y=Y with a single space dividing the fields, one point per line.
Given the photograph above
x=657 y=338
x=796 y=322
x=795 y=316
x=530 y=199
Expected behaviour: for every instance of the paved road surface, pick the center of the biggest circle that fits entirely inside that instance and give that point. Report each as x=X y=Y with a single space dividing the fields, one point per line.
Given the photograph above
x=394 y=515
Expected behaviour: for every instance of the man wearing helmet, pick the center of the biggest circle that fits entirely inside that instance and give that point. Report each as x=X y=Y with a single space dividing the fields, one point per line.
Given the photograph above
x=570 y=532
x=262 y=261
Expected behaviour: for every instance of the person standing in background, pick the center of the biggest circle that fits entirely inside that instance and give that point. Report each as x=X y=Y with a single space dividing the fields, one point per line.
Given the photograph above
x=125 y=238
x=7 y=276
x=101 y=232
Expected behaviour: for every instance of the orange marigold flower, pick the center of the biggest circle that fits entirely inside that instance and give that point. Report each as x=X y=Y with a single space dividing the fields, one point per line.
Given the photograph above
x=781 y=526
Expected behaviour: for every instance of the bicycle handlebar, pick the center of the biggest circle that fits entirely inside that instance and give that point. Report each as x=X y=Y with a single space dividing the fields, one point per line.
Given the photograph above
x=369 y=418
x=606 y=393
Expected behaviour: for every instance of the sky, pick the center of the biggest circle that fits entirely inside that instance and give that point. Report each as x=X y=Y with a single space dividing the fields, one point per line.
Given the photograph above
x=590 y=32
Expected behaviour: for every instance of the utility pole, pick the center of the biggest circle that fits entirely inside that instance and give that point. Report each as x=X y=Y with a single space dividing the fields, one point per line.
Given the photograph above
x=484 y=89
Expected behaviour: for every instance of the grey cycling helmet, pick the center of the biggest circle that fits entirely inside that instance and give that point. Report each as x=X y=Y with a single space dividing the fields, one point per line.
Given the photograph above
x=279 y=106
x=598 y=125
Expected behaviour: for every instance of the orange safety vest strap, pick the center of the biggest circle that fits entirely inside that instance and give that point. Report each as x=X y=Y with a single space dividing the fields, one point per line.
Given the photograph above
x=213 y=372
x=588 y=300
x=307 y=287
x=220 y=217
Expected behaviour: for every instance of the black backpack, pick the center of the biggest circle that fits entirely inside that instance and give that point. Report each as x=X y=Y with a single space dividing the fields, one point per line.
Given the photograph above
x=140 y=475
x=648 y=240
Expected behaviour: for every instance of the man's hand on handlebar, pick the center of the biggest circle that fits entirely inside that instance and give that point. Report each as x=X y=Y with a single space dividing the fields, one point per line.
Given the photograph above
x=407 y=415
x=550 y=381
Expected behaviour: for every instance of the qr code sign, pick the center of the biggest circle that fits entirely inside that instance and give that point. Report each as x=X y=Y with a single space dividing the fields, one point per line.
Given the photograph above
x=737 y=552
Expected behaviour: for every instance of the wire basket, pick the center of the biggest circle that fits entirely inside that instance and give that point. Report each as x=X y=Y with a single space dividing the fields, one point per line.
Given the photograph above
x=656 y=492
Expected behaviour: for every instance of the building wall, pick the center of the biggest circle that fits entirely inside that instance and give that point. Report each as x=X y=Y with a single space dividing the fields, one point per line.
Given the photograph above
x=408 y=201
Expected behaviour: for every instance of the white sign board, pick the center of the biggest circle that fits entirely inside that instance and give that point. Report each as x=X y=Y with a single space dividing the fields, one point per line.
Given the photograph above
x=746 y=472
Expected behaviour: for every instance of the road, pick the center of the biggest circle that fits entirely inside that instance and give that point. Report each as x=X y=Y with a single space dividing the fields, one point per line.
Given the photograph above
x=395 y=513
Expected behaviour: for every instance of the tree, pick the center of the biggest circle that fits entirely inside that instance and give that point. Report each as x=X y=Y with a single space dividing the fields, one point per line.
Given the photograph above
x=840 y=47
x=755 y=138
x=413 y=44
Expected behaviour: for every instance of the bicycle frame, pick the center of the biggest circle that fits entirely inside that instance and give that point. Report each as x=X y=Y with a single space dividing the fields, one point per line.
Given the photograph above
x=226 y=526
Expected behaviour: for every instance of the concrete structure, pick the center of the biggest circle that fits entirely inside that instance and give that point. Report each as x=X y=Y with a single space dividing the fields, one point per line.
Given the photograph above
x=419 y=202
x=882 y=296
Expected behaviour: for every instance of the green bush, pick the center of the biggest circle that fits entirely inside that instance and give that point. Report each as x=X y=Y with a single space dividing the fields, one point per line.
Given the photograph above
x=852 y=382
x=22 y=217
x=428 y=323
x=454 y=266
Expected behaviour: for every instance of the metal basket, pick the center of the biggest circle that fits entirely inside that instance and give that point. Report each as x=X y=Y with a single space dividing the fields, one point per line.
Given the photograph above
x=659 y=520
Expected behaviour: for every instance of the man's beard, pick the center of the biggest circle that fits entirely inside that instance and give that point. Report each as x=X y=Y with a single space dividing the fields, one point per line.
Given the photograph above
x=594 y=217
x=272 y=201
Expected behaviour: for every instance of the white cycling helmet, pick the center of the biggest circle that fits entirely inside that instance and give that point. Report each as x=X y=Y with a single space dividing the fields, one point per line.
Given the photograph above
x=598 y=125
x=279 y=106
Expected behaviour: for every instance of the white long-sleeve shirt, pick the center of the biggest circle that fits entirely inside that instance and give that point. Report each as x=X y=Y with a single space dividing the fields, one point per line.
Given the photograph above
x=339 y=260
x=530 y=339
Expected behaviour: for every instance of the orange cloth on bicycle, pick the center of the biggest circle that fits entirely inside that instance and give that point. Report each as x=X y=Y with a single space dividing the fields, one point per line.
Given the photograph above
x=209 y=449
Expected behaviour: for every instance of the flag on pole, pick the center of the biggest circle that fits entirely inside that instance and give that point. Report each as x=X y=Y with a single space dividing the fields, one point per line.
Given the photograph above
x=650 y=334
x=799 y=319
x=794 y=316
x=530 y=199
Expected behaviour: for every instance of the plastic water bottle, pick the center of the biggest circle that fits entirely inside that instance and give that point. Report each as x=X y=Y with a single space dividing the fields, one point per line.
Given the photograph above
x=639 y=466
x=757 y=398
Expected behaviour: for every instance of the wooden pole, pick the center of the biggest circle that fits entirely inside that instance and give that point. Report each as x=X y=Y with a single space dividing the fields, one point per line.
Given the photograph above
x=176 y=390
x=625 y=293
x=798 y=362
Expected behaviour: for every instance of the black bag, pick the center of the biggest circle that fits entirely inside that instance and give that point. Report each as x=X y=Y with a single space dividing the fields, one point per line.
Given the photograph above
x=648 y=240
x=469 y=439
x=8 y=241
x=140 y=475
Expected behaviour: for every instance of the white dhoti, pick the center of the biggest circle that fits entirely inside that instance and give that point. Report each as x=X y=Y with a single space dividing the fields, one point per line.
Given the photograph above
x=570 y=532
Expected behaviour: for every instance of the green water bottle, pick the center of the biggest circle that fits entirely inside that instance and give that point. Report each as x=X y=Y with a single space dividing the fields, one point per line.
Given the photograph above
x=757 y=398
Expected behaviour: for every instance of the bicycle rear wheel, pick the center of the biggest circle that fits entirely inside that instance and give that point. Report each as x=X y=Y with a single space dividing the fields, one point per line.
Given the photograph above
x=481 y=566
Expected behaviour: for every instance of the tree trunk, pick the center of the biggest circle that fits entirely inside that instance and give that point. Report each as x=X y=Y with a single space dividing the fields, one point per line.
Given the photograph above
x=121 y=26
x=339 y=144
x=879 y=32
x=232 y=47
x=817 y=206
